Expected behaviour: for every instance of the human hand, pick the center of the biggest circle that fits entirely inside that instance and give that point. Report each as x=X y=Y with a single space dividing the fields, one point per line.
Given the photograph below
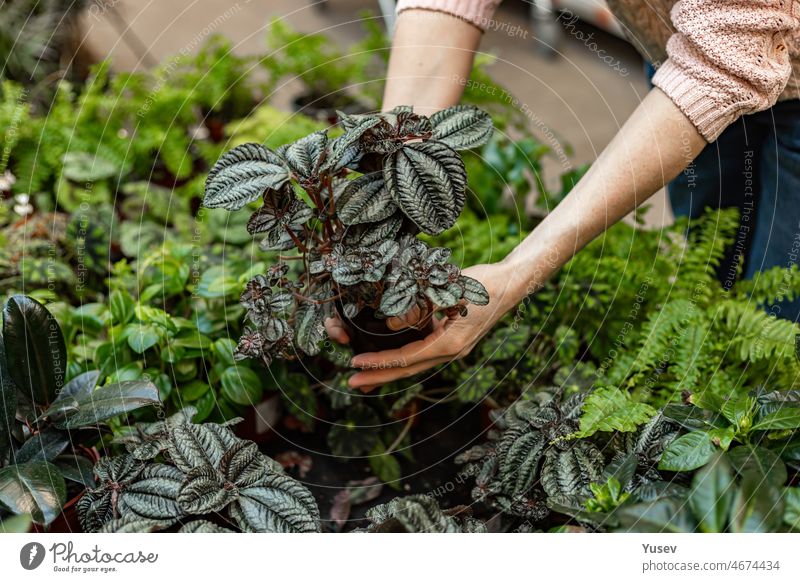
x=451 y=339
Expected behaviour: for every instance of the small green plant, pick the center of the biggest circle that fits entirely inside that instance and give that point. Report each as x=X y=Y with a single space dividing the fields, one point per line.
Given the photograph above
x=190 y=474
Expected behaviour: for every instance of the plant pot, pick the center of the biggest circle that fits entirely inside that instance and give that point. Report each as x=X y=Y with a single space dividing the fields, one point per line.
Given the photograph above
x=368 y=333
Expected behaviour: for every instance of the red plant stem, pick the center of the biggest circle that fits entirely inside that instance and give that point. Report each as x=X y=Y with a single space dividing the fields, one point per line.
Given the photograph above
x=296 y=240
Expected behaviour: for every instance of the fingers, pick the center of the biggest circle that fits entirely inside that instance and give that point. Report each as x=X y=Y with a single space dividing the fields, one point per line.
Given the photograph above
x=336 y=331
x=410 y=354
x=368 y=380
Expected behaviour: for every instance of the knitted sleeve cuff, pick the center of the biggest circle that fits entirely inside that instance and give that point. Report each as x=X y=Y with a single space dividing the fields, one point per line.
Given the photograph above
x=695 y=100
x=476 y=12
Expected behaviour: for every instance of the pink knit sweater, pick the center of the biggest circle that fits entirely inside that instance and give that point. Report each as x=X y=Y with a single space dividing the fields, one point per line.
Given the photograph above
x=717 y=59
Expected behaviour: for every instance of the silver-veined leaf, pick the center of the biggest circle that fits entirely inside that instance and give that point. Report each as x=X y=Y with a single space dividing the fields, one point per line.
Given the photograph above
x=427 y=181
x=242 y=175
x=365 y=199
x=276 y=504
x=462 y=126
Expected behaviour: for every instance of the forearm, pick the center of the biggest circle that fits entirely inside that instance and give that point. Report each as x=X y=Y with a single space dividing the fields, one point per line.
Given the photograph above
x=431 y=54
x=654 y=145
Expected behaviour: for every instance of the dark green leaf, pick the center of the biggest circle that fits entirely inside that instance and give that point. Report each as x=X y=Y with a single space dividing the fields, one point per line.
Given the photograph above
x=241 y=385
x=36 y=488
x=712 y=492
x=276 y=504
x=36 y=354
x=752 y=458
x=688 y=452
x=112 y=400
x=365 y=199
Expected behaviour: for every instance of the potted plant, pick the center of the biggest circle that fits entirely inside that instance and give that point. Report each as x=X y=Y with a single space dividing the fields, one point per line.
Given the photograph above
x=48 y=427
x=344 y=212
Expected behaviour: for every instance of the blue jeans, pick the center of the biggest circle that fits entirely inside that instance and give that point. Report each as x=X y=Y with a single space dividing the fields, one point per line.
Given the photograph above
x=755 y=166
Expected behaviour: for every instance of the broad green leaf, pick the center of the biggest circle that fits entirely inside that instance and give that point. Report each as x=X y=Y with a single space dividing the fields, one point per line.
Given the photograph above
x=756 y=459
x=758 y=506
x=791 y=513
x=142 y=337
x=43 y=446
x=16 y=524
x=476 y=382
x=661 y=516
x=36 y=355
x=781 y=419
x=241 y=385
x=35 y=488
x=712 y=492
x=112 y=400
x=609 y=409
x=688 y=452
x=8 y=405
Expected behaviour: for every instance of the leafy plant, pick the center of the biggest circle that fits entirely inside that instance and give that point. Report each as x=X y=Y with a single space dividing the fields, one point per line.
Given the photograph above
x=195 y=475
x=356 y=240
x=716 y=503
x=754 y=427
x=421 y=514
x=46 y=421
x=535 y=461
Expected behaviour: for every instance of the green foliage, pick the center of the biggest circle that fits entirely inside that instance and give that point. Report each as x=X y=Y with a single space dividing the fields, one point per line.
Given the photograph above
x=46 y=415
x=178 y=472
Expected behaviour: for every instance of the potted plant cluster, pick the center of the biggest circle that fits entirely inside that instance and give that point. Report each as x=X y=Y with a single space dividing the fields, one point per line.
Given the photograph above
x=347 y=211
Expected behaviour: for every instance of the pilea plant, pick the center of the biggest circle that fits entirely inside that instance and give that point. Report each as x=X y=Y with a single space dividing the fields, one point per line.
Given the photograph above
x=420 y=514
x=351 y=207
x=535 y=460
x=199 y=475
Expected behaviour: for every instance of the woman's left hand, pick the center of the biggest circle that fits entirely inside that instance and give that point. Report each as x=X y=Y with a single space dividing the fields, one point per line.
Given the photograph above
x=451 y=339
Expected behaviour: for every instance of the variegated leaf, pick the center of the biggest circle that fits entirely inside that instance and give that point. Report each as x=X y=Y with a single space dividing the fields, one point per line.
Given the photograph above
x=276 y=504
x=242 y=175
x=399 y=298
x=204 y=491
x=154 y=495
x=444 y=296
x=309 y=329
x=203 y=526
x=365 y=199
x=570 y=472
x=243 y=464
x=427 y=181
x=462 y=126
x=474 y=291
x=197 y=445
x=305 y=156
x=519 y=467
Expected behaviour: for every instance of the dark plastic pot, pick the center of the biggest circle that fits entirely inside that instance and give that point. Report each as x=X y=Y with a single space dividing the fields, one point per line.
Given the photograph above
x=368 y=333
